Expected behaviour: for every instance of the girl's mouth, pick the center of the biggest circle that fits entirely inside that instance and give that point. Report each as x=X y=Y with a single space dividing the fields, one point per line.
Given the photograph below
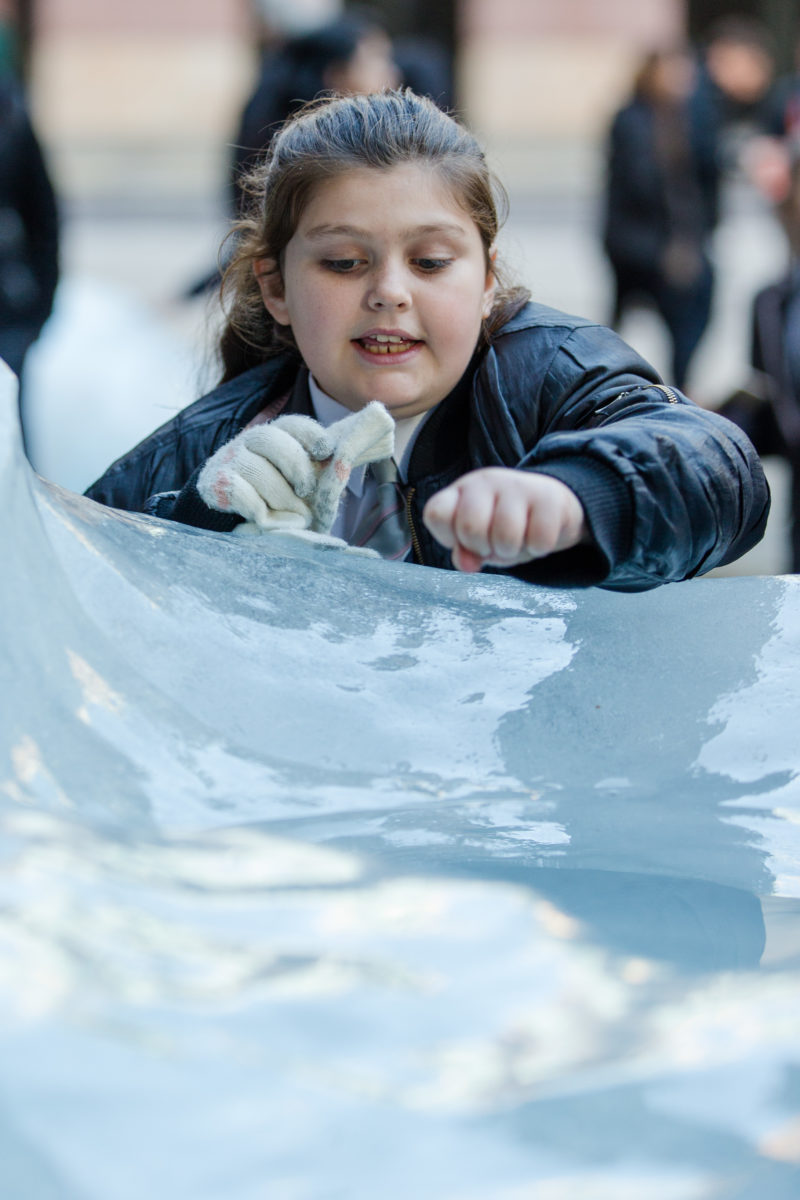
x=386 y=343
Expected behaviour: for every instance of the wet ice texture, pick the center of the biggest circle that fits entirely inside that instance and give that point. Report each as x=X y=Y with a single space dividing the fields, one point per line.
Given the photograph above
x=330 y=877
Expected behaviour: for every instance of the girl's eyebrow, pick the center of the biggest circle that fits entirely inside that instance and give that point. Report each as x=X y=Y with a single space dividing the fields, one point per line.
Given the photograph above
x=323 y=231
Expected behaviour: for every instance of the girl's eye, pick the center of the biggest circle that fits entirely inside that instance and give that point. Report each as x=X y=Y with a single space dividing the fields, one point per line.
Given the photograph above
x=341 y=265
x=432 y=264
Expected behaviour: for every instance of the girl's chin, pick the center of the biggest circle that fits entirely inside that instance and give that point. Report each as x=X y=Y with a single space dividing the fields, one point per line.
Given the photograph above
x=400 y=406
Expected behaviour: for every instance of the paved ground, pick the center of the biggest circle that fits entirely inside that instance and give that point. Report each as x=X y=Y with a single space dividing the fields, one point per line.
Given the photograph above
x=123 y=350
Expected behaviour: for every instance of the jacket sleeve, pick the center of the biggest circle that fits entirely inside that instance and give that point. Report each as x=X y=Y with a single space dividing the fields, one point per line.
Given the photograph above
x=669 y=489
x=188 y=507
x=156 y=477
x=151 y=476
x=159 y=466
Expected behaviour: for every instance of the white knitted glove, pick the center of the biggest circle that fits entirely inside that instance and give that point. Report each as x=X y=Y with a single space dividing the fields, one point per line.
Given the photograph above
x=365 y=437
x=267 y=473
x=290 y=474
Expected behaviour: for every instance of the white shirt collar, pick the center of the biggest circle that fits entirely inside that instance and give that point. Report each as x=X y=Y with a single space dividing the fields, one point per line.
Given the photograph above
x=327 y=411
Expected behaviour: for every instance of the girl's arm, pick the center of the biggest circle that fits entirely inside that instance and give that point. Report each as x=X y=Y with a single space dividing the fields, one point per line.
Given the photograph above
x=668 y=490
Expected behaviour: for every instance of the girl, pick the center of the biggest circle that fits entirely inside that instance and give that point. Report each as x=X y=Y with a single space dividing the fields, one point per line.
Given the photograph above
x=527 y=441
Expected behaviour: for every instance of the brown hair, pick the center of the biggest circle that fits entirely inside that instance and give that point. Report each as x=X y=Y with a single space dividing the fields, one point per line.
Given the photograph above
x=326 y=139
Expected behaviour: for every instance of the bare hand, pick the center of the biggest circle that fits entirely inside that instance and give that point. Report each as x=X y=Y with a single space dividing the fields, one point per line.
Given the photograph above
x=500 y=517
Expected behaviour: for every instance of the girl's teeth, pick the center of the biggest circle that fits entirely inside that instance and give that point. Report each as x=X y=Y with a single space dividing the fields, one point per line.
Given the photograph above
x=386 y=344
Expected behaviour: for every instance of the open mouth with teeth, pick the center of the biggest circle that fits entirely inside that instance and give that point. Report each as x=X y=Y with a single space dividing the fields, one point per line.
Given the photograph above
x=386 y=343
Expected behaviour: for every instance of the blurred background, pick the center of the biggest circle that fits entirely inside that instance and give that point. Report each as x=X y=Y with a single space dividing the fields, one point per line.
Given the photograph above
x=138 y=108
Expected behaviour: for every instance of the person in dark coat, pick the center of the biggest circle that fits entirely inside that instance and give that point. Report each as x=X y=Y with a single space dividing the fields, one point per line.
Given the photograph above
x=660 y=206
x=735 y=95
x=349 y=54
x=29 y=234
x=768 y=407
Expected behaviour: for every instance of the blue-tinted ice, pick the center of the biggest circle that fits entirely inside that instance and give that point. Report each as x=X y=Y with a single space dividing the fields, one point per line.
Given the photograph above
x=325 y=877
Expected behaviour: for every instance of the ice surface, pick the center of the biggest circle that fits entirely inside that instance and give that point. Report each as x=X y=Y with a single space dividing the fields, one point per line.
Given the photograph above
x=330 y=877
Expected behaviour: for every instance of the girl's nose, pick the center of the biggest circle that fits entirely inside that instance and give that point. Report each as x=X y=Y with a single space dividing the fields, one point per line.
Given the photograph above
x=389 y=289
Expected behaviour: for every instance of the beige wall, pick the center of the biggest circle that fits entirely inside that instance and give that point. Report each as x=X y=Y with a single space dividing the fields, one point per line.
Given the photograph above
x=639 y=20
x=143 y=97
x=140 y=97
x=555 y=68
x=149 y=16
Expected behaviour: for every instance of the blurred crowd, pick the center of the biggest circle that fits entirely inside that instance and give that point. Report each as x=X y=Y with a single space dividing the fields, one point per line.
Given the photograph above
x=694 y=121
x=696 y=117
x=349 y=54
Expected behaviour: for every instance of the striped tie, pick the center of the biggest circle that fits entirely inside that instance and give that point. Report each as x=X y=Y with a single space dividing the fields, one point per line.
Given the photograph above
x=385 y=526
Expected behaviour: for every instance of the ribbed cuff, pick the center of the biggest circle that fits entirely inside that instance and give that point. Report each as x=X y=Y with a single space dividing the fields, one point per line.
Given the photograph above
x=608 y=506
x=190 y=509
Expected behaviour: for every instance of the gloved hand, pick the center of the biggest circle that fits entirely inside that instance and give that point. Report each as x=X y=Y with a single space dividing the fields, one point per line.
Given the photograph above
x=266 y=473
x=364 y=437
x=290 y=473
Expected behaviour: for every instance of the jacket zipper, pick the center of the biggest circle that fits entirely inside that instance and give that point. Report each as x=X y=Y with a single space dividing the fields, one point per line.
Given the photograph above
x=414 y=539
x=671 y=394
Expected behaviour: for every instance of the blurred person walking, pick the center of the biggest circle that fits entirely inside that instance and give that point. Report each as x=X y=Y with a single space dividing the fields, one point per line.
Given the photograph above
x=349 y=54
x=29 y=234
x=784 y=121
x=734 y=99
x=661 y=204
x=768 y=407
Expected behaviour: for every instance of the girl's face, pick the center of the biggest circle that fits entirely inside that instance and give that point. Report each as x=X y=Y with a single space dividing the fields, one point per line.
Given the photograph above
x=385 y=284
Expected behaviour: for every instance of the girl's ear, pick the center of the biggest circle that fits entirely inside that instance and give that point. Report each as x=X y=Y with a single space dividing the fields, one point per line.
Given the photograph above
x=270 y=285
x=490 y=287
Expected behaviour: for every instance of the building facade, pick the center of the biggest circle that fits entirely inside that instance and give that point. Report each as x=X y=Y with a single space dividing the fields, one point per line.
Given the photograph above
x=164 y=81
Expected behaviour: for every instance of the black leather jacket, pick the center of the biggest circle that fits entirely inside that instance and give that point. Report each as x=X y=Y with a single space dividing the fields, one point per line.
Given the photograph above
x=669 y=489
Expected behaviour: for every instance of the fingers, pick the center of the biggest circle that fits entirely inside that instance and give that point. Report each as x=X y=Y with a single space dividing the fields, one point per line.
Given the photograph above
x=256 y=473
x=503 y=517
x=285 y=452
x=279 y=508
x=312 y=436
x=466 y=561
x=508 y=531
x=364 y=437
x=478 y=521
x=439 y=515
x=472 y=519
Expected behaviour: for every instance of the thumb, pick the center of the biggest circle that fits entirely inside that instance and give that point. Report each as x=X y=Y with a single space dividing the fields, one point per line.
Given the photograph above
x=364 y=437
